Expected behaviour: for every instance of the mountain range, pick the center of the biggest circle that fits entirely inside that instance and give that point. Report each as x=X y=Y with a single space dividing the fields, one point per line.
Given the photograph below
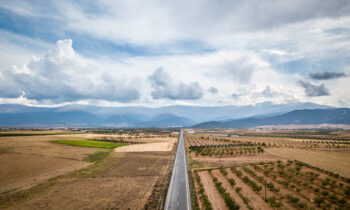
x=296 y=117
x=15 y=115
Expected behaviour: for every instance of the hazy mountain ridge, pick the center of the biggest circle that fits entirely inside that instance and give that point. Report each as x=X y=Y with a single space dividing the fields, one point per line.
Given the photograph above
x=306 y=116
x=14 y=115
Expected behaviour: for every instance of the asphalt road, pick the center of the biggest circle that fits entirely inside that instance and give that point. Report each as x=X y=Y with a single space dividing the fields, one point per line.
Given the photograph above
x=178 y=196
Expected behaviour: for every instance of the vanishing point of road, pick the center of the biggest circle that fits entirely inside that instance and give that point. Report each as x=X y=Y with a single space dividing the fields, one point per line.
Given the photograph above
x=178 y=196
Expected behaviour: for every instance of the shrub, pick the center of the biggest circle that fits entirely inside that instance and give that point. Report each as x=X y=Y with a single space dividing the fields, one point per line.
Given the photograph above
x=274 y=203
x=292 y=199
x=302 y=205
x=223 y=171
x=347 y=190
x=319 y=200
x=232 y=182
x=324 y=193
x=342 y=201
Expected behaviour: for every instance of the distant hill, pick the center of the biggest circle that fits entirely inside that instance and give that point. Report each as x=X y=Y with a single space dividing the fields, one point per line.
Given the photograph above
x=14 y=115
x=195 y=113
x=301 y=117
x=84 y=119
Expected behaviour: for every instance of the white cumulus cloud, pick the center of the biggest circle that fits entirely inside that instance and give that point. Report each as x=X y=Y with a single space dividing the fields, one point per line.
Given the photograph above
x=62 y=75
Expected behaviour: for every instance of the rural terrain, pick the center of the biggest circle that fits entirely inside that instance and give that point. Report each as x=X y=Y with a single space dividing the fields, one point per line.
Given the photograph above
x=95 y=169
x=259 y=168
x=269 y=169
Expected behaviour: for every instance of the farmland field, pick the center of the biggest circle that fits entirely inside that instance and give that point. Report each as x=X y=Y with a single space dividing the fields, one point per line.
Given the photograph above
x=289 y=185
x=90 y=143
x=54 y=171
x=301 y=169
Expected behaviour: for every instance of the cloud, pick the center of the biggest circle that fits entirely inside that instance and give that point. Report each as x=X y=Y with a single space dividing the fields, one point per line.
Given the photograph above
x=165 y=87
x=268 y=92
x=62 y=76
x=312 y=90
x=119 y=21
x=213 y=90
x=326 y=75
x=115 y=50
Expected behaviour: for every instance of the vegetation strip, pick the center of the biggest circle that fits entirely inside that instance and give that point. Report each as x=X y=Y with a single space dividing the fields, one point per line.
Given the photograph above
x=89 y=143
x=238 y=190
x=202 y=195
x=230 y=203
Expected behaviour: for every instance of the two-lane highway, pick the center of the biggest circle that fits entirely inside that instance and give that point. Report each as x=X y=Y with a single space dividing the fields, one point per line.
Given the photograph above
x=178 y=196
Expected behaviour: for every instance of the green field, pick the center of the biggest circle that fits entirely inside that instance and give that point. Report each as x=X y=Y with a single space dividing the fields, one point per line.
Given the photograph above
x=88 y=143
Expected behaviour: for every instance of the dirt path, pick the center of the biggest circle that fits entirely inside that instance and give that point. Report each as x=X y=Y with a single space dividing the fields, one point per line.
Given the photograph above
x=213 y=195
x=256 y=201
x=229 y=189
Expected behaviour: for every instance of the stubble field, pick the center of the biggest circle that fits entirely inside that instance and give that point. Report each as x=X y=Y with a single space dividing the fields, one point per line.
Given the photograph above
x=36 y=173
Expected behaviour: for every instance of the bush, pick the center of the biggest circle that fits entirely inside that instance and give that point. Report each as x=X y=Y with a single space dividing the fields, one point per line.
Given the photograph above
x=319 y=200
x=232 y=182
x=292 y=199
x=324 y=193
x=274 y=203
x=347 y=190
x=302 y=205
x=223 y=171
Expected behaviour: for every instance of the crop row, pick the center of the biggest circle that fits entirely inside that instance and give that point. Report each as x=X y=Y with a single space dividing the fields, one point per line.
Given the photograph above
x=335 y=175
x=225 y=151
x=202 y=195
x=292 y=178
x=232 y=182
x=230 y=203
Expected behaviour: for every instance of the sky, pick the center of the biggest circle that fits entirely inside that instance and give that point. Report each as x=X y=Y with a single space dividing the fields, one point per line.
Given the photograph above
x=160 y=53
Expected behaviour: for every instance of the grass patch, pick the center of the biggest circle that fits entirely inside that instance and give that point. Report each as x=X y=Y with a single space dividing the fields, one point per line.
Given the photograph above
x=98 y=156
x=89 y=143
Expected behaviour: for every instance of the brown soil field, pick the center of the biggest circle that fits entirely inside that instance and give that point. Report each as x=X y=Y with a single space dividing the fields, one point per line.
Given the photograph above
x=122 y=181
x=338 y=162
x=215 y=199
x=29 y=160
x=288 y=187
x=234 y=161
x=38 y=174
x=162 y=146
x=24 y=170
x=309 y=187
x=93 y=193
